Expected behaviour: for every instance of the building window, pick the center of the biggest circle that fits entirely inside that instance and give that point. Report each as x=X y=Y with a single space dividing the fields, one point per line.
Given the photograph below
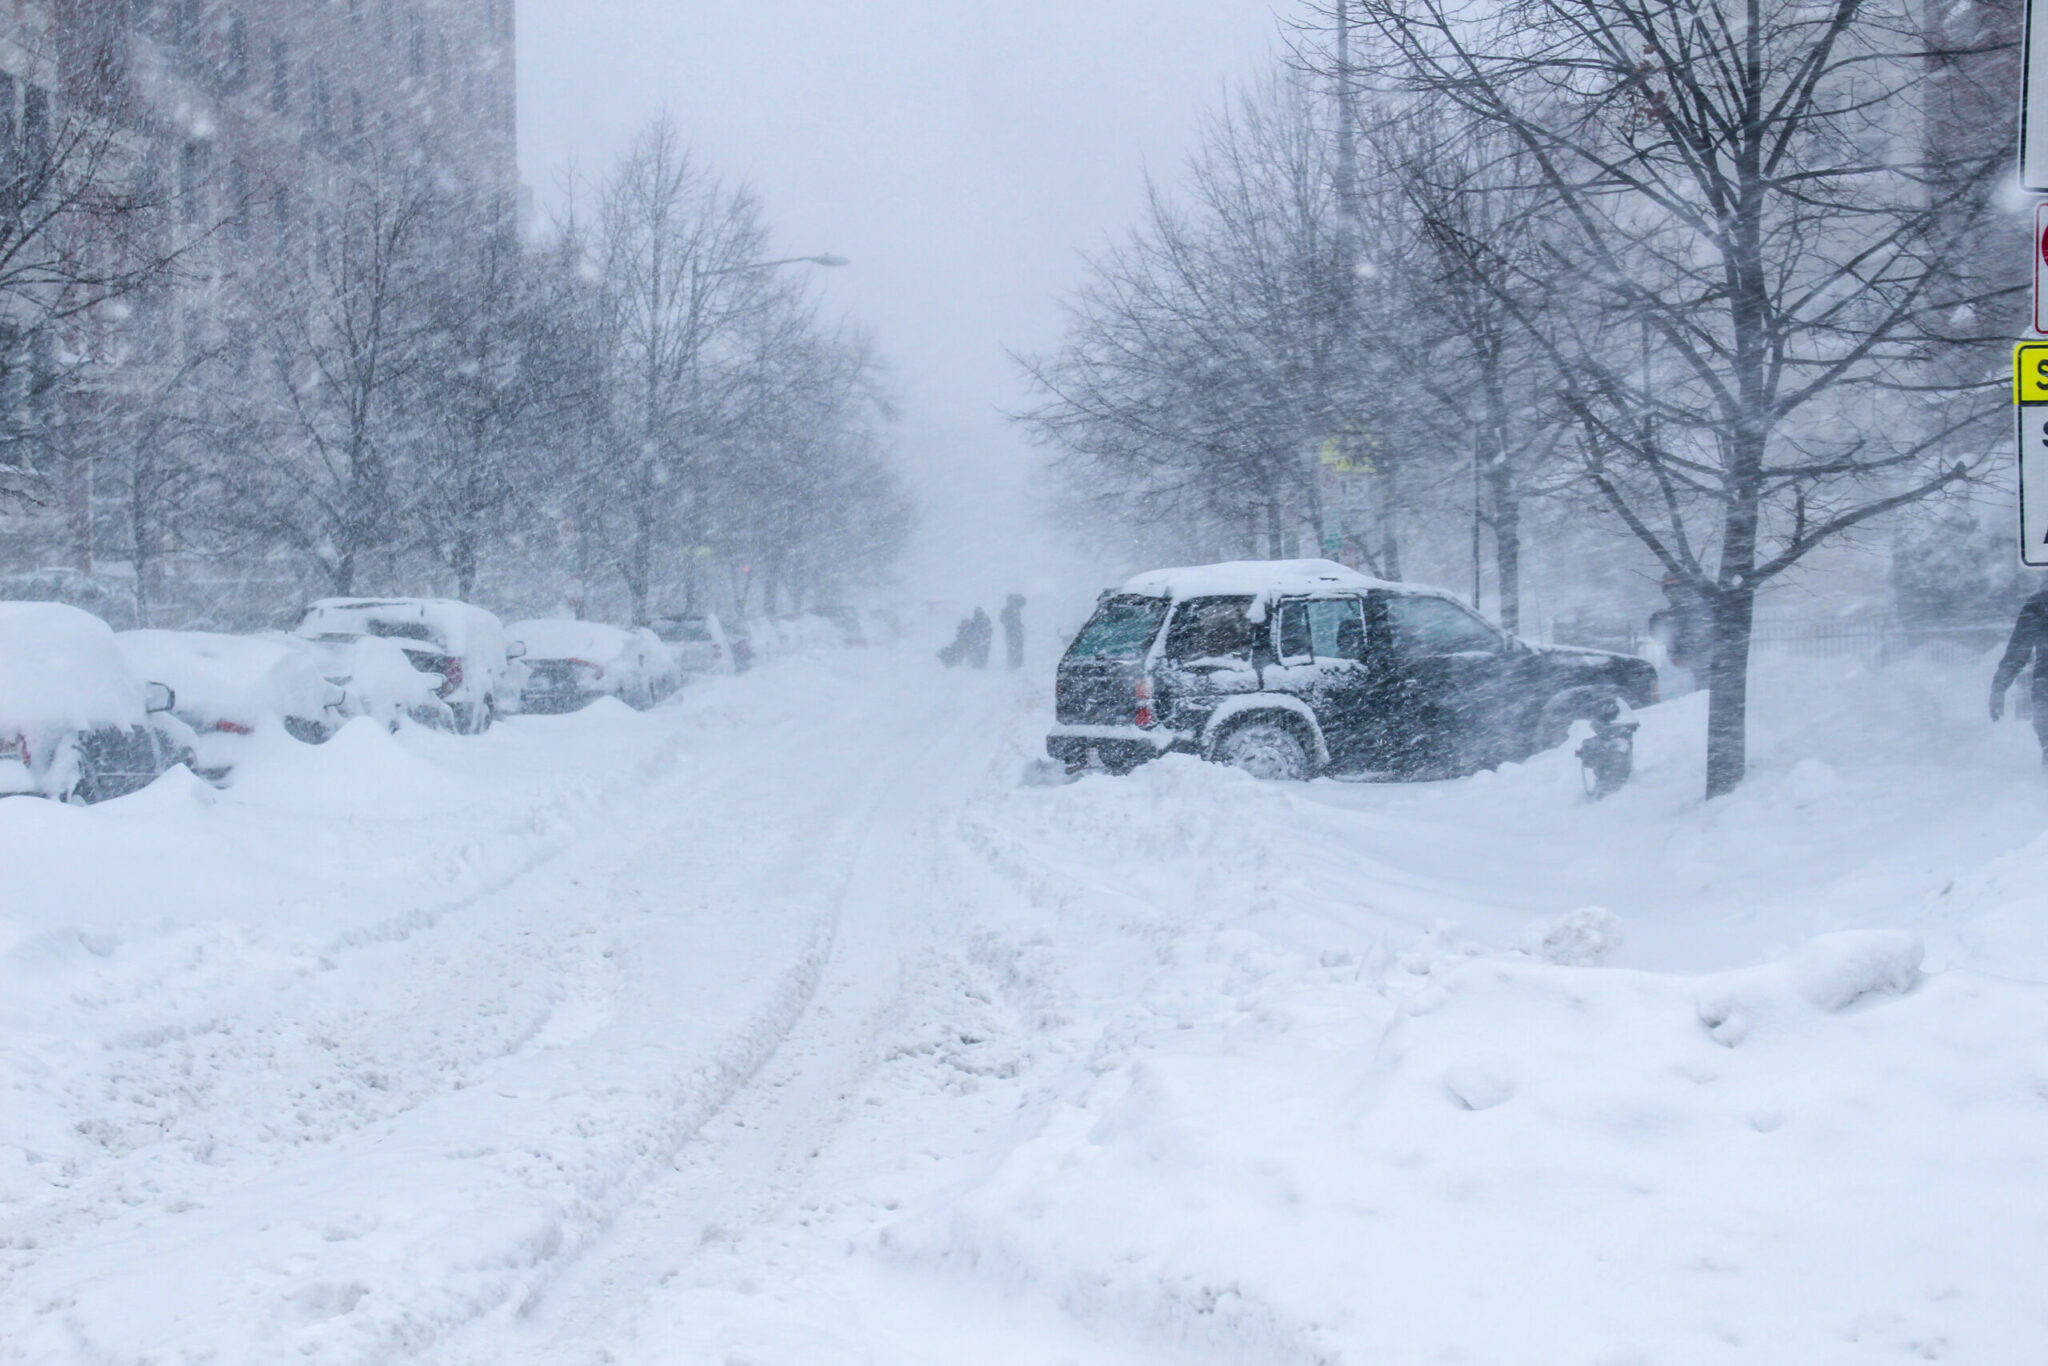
x=281 y=218
x=447 y=66
x=192 y=183
x=238 y=186
x=355 y=15
x=238 y=51
x=316 y=93
x=419 y=47
x=280 y=76
x=35 y=126
x=140 y=12
x=386 y=29
x=185 y=22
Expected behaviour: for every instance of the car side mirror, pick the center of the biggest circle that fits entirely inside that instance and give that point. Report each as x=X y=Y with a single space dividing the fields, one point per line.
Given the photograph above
x=515 y=649
x=159 y=698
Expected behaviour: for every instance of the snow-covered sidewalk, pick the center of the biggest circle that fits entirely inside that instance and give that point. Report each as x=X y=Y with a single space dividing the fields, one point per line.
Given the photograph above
x=783 y=1025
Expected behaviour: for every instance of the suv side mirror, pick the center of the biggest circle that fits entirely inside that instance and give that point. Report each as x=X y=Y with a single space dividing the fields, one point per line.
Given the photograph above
x=159 y=698
x=515 y=649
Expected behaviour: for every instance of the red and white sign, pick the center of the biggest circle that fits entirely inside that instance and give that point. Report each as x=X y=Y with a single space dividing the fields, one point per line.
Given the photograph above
x=2041 y=268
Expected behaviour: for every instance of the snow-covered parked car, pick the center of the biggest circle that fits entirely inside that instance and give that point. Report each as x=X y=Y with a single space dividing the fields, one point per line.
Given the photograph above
x=570 y=664
x=1288 y=668
x=462 y=649
x=229 y=685
x=699 y=643
x=76 y=721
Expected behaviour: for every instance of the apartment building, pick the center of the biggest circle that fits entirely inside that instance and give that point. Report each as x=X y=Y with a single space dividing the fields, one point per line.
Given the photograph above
x=245 y=121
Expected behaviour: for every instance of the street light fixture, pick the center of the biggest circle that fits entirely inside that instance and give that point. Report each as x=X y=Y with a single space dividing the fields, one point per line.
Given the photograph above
x=823 y=260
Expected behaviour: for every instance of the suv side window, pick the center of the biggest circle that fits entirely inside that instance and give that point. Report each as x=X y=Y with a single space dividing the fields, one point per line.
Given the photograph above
x=1296 y=642
x=1436 y=626
x=1337 y=628
x=1322 y=628
x=1212 y=628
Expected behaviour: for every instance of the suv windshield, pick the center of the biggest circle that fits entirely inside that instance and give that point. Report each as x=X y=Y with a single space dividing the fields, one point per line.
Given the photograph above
x=1121 y=628
x=1212 y=628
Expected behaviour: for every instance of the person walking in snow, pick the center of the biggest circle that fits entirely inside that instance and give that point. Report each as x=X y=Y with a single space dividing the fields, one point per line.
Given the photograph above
x=1013 y=629
x=962 y=644
x=2029 y=645
x=983 y=635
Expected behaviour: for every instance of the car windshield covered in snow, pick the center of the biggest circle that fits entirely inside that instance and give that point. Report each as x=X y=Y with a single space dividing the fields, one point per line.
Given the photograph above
x=1122 y=628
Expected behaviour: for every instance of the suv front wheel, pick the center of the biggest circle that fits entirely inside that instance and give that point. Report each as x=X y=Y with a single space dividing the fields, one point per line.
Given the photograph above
x=1265 y=749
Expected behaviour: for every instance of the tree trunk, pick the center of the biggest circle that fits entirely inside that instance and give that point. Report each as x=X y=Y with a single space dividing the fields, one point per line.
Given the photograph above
x=1390 y=544
x=1273 y=540
x=1507 y=540
x=465 y=558
x=1728 y=682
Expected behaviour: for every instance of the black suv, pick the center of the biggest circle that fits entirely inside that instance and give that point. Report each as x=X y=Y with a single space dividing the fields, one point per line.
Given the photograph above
x=1288 y=668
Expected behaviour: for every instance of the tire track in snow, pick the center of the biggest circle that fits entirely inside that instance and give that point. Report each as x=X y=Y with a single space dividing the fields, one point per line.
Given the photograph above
x=567 y=1163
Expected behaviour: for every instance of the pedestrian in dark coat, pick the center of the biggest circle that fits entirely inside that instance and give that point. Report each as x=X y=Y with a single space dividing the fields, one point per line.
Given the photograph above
x=961 y=646
x=983 y=636
x=2029 y=645
x=1013 y=629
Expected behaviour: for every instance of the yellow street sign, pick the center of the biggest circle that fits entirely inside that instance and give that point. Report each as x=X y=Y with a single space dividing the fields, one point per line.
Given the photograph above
x=2030 y=372
x=1341 y=454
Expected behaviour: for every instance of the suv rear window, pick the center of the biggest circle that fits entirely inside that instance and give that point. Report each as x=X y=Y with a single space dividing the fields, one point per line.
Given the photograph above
x=1122 y=628
x=1212 y=628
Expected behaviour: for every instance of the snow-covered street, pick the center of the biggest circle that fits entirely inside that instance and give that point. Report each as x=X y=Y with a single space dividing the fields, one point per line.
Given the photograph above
x=784 y=1024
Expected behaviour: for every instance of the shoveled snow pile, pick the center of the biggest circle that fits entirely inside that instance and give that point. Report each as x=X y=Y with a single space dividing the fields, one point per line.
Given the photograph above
x=1506 y=1160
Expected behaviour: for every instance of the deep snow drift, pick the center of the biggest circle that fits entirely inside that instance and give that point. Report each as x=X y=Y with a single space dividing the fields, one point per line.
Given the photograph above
x=782 y=1024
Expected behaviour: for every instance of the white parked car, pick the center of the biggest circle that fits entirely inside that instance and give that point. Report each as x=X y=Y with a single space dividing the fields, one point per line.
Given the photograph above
x=570 y=664
x=700 y=643
x=77 y=723
x=228 y=685
x=462 y=648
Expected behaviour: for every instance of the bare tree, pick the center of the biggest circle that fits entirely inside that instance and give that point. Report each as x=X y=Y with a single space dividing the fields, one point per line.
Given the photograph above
x=1210 y=358
x=676 y=251
x=1756 y=233
x=317 y=471
x=499 y=369
x=83 y=232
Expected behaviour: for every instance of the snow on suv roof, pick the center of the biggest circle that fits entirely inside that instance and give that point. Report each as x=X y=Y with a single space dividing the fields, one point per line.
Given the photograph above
x=1257 y=578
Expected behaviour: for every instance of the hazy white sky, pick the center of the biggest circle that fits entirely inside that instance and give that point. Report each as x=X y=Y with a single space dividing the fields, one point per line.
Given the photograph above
x=963 y=153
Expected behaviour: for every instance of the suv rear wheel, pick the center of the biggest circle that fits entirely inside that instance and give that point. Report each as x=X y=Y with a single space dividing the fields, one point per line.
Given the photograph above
x=1265 y=749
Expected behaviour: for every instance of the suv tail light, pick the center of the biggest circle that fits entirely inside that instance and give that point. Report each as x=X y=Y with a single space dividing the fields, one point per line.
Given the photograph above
x=1146 y=715
x=15 y=748
x=234 y=728
x=451 y=673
